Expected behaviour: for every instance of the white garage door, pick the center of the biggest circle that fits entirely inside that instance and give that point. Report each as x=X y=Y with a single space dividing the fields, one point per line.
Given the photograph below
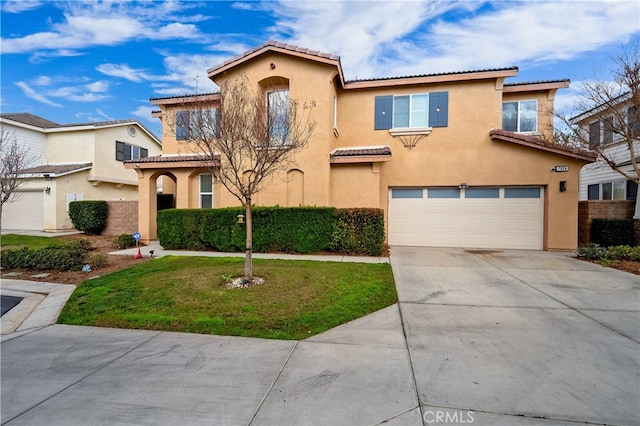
x=478 y=217
x=27 y=212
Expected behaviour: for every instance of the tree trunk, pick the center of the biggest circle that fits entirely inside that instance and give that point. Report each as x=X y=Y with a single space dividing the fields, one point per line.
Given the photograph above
x=248 y=261
x=636 y=214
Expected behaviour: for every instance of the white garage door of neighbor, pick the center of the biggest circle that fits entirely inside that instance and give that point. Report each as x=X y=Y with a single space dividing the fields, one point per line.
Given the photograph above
x=27 y=212
x=475 y=217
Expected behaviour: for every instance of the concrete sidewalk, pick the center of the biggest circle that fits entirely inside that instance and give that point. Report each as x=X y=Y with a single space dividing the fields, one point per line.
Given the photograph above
x=507 y=338
x=158 y=251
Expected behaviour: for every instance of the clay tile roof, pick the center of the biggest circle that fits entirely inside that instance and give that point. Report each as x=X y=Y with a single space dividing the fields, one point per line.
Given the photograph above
x=433 y=74
x=535 y=142
x=172 y=159
x=55 y=169
x=360 y=150
x=526 y=83
x=279 y=45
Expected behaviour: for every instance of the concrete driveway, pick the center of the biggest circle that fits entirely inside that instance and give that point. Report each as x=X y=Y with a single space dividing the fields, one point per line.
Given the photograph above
x=481 y=338
x=518 y=333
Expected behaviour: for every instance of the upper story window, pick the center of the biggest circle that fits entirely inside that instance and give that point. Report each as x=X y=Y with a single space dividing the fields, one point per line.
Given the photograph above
x=278 y=115
x=520 y=116
x=601 y=132
x=196 y=124
x=411 y=111
x=125 y=151
x=414 y=111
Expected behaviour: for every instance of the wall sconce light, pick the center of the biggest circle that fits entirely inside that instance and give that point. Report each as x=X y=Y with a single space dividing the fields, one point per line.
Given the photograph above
x=47 y=190
x=240 y=218
x=563 y=185
x=463 y=185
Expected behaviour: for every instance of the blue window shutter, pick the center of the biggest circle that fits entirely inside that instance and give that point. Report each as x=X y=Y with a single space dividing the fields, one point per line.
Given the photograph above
x=439 y=109
x=632 y=190
x=383 y=113
x=119 y=151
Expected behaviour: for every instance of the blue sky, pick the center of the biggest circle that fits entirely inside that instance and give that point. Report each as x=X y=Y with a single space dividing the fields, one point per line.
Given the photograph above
x=72 y=61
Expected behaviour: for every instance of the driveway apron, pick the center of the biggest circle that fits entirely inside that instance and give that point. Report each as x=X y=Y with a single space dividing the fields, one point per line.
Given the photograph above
x=512 y=337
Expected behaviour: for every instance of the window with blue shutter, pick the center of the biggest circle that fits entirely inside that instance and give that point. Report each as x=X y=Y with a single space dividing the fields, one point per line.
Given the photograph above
x=418 y=110
x=383 y=112
x=439 y=109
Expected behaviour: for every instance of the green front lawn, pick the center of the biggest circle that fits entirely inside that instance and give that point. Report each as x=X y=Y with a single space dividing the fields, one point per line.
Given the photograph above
x=299 y=298
x=14 y=241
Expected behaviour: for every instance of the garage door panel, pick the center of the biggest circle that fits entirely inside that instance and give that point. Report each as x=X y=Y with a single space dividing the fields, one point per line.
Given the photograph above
x=26 y=212
x=469 y=222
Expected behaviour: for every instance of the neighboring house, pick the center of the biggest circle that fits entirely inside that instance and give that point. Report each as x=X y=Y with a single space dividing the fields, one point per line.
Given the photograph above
x=72 y=162
x=599 y=181
x=454 y=159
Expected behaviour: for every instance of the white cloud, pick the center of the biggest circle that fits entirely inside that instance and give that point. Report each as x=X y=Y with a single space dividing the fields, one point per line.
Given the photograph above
x=29 y=92
x=363 y=33
x=18 y=6
x=88 y=24
x=143 y=112
x=122 y=71
x=374 y=42
x=98 y=86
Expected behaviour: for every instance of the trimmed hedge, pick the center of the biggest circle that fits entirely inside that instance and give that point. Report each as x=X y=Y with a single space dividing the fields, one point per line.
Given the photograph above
x=89 y=217
x=612 y=232
x=275 y=229
x=68 y=257
x=358 y=231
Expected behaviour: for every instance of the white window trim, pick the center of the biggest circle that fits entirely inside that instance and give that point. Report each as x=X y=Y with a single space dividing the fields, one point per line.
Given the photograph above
x=529 y=132
x=201 y=193
x=410 y=129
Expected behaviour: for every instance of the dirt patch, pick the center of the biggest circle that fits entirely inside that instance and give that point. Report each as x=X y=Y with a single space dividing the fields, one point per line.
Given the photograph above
x=101 y=245
x=626 y=265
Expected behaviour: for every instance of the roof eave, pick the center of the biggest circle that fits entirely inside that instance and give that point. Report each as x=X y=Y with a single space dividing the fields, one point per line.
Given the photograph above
x=348 y=159
x=186 y=99
x=537 y=87
x=588 y=157
x=430 y=79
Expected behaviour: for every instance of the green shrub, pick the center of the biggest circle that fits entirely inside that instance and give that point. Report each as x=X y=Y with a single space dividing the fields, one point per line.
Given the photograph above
x=124 y=241
x=634 y=254
x=618 y=253
x=89 y=217
x=591 y=251
x=612 y=232
x=275 y=229
x=68 y=257
x=358 y=231
x=97 y=261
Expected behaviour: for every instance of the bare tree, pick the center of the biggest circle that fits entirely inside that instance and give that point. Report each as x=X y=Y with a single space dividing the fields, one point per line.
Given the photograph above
x=13 y=158
x=609 y=123
x=250 y=134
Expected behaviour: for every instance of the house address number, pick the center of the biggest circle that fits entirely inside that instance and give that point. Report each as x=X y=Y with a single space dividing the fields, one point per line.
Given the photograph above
x=561 y=169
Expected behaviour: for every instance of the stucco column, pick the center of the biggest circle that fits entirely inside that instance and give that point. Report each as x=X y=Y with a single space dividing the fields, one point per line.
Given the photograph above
x=146 y=207
x=182 y=190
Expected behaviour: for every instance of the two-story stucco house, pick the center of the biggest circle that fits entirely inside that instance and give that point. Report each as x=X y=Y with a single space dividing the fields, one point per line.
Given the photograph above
x=72 y=162
x=454 y=159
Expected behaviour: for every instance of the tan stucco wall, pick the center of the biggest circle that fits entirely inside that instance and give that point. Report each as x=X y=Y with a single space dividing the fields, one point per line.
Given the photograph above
x=449 y=156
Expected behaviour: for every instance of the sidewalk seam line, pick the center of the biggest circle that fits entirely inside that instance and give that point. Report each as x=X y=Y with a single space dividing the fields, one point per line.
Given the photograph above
x=266 y=395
